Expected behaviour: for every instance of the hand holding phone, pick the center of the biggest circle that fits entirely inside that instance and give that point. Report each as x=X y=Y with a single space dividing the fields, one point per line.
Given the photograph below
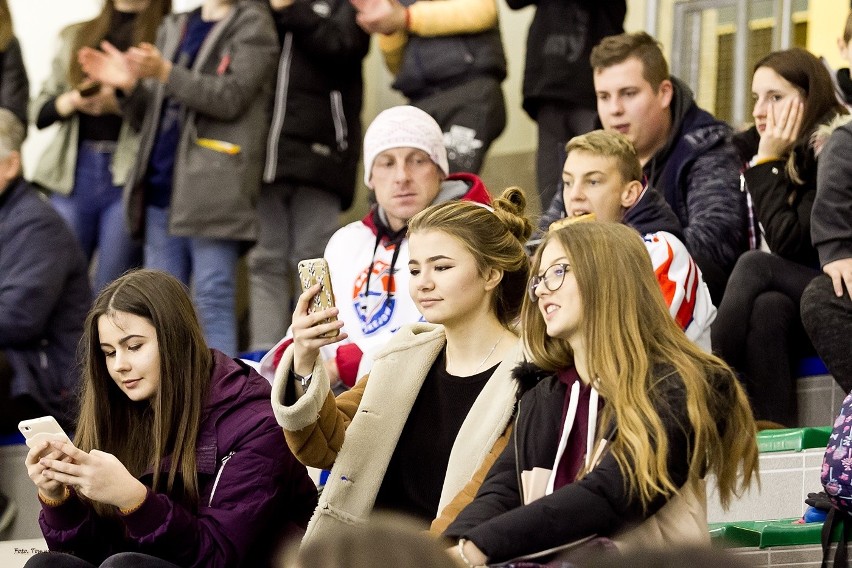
x=42 y=429
x=312 y=271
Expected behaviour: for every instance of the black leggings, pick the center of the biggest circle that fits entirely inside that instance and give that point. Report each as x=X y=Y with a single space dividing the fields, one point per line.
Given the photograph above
x=758 y=330
x=120 y=560
x=828 y=321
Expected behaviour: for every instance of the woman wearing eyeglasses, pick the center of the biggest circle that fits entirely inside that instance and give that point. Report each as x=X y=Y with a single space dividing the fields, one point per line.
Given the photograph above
x=628 y=419
x=410 y=436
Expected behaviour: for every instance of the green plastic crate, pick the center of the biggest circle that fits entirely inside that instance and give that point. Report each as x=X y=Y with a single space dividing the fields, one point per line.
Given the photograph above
x=792 y=439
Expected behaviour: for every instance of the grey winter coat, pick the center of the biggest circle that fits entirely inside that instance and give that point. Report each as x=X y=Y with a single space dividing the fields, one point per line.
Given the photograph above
x=225 y=97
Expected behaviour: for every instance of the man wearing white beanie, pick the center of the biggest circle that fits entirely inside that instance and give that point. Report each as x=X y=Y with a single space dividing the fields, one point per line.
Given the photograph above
x=405 y=166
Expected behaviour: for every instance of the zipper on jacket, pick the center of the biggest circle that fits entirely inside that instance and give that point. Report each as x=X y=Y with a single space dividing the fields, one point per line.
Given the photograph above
x=218 y=475
x=280 y=109
x=339 y=118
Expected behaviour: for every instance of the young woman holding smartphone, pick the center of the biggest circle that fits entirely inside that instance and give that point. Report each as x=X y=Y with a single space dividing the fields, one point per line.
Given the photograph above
x=177 y=458
x=439 y=396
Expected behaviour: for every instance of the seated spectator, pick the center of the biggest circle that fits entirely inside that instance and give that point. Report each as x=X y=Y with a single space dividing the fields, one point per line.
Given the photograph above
x=684 y=151
x=413 y=432
x=626 y=422
x=405 y=166
x=177 y=459
x=44 y=296
x=14 y=84
x=447 y=59
x=86 y=164
x=200 y=100
x=827 y=301
x=758 y=330
x=602 y=176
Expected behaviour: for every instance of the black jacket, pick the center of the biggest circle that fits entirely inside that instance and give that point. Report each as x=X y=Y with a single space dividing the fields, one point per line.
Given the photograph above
x=315 y=136
x=503 y=528
x=782 y=206
x=44 y=298
x=433 y=64
x=560 y=40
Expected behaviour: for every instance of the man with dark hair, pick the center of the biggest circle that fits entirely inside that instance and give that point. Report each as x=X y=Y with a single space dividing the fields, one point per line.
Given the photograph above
x=685 y=152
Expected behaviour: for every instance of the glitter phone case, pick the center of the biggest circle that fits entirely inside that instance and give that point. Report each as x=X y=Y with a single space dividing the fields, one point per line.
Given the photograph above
x=315 y=270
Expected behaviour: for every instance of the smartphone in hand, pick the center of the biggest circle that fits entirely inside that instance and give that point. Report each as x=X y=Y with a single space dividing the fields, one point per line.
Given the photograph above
x=37 y=430
x=315 y=270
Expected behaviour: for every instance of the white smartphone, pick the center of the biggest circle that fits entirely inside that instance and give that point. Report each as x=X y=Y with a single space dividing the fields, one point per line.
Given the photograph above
x=39 y=429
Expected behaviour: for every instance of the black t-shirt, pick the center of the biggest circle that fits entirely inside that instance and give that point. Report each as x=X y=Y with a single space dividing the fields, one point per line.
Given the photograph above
x=107 y=126
x=415 y=475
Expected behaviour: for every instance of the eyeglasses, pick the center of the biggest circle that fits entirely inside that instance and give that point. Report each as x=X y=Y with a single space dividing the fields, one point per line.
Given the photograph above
x=552 y=278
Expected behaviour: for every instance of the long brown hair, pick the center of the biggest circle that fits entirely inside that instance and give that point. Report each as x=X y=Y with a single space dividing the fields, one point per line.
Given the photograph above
x=634 y=348
x=494 y=238
x=804 y=71
x=141 y=434
x=93 y=32
x=7 y=31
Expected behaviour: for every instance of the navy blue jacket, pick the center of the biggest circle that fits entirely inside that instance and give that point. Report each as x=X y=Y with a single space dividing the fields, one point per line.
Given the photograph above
x=44 y=298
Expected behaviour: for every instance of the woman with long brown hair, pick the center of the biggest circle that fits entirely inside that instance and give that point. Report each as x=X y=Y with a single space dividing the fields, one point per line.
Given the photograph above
x=625 y=420
x=177 y=459
x=758 y=330
x=87 y=163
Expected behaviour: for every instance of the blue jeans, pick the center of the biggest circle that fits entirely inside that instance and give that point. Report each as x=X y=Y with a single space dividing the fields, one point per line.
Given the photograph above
x=209 y=264
x=95 y=213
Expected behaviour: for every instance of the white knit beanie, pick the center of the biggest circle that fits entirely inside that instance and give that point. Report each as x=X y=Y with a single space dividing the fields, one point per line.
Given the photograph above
x=404 y=127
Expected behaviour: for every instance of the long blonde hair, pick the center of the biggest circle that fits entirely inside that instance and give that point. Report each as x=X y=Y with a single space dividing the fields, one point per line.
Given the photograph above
x=634 y=348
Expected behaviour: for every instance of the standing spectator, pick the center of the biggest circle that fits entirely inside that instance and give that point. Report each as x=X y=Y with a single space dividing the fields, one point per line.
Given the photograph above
x=447 y=58
x=758 y=330
x=826 y=306
x=405 y=166
x=200 y=100
x=89 y=159
x=311 y=155
x=685 y=152
x=559 y=93
x=14 y=84
x=44 y=296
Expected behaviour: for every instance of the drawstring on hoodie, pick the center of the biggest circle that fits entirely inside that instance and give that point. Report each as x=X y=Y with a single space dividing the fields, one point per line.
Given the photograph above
x=393 y=238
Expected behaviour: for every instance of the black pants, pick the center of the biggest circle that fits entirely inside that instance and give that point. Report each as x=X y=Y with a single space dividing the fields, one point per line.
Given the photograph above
x=557 y=124
x=121 y=560
x=758 y=331
x=828 y=321
x=13 y=410
x=471 y=115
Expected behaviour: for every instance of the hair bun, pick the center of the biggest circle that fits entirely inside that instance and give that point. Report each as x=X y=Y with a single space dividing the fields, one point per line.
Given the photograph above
x=510 y=208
